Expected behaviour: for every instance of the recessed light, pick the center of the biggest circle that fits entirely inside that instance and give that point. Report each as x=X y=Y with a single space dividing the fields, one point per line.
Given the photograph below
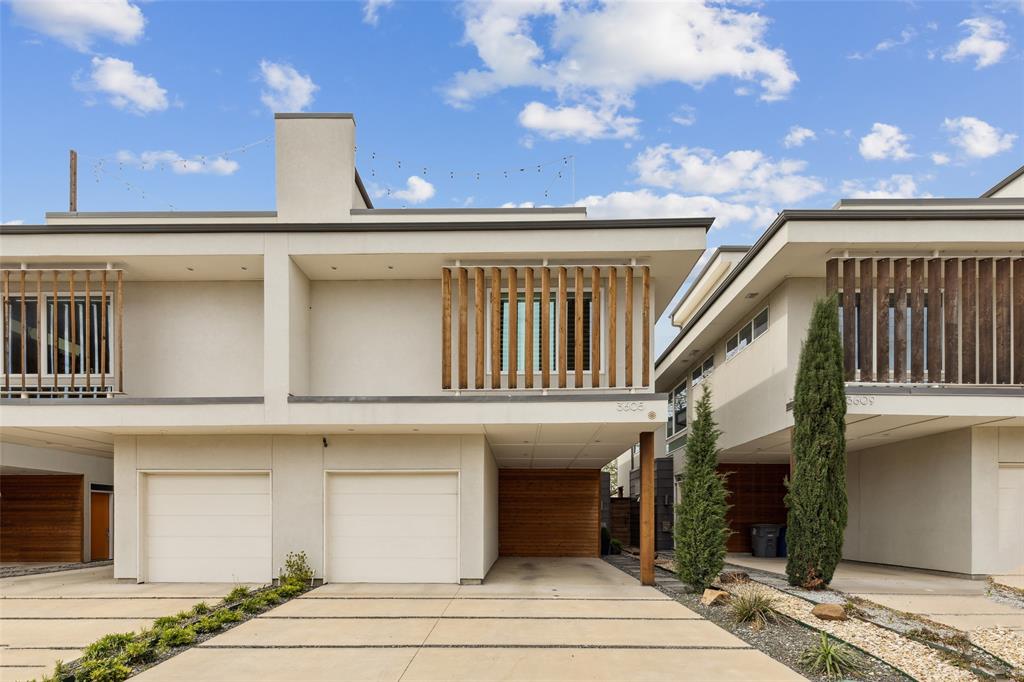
x=351 y=429
x=190 y=269
x=391 y=267
x=415 y=429
x=244 y=268
x=334 y=267
x=752 y=294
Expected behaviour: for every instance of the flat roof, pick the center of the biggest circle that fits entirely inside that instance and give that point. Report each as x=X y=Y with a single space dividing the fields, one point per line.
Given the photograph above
x=450 y=226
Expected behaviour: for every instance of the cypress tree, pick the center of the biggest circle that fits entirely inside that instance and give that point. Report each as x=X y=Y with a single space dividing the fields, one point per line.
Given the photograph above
x=701 y=529
x=816 y=499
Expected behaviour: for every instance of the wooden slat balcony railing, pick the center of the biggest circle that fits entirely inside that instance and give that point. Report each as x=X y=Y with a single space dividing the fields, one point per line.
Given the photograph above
x=958 y=320
x=62 y=332
x=565 y=323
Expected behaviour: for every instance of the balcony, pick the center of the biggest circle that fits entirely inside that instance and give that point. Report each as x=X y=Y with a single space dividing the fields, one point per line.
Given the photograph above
x=62 y=333
x=573 y=327
x=953 y=320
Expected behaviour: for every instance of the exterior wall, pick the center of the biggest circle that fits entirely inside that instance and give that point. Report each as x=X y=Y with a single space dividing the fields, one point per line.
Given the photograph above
x=991 y=448
x=191 y=339
x=298 y=465
x=92 y=468
x=910 y=503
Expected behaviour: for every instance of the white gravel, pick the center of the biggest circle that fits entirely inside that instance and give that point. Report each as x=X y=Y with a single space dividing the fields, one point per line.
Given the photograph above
x=1005 y=643
x=916 y=660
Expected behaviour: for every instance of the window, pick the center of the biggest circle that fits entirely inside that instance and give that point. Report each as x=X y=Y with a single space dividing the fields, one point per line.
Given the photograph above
x=702 y=370
x=70 y=356
x=747 y=333
x=570 y=336
x=677 y=410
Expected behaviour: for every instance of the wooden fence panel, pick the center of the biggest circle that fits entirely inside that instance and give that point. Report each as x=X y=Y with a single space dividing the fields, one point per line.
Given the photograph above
x=951 y=318
x=882 y=320
x=899 y=320
x=935 y=320
x=917 y=320
x=866 y=336
x=1003 y=306
x=969 y=321
x=985 y=321
x=849 y=319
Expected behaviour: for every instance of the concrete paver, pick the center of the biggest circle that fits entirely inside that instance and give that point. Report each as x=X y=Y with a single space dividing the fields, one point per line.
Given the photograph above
x=533 y=619
x=52 y=616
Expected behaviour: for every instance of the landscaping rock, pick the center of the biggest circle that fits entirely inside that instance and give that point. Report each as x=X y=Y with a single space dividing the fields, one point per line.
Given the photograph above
x=729 y=577
x=829 y=612
x=712 y=597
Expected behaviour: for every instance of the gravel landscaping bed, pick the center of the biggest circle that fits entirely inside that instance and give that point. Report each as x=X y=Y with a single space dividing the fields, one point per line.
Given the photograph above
x=784 y=641
x=1005 y=643
x=16 y=571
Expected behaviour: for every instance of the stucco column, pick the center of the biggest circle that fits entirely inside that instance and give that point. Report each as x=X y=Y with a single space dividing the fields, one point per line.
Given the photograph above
x=647 y=508
x=285 y=328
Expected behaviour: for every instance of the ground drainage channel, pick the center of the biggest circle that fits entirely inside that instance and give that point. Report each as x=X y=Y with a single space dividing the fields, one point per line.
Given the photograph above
x=784 y=641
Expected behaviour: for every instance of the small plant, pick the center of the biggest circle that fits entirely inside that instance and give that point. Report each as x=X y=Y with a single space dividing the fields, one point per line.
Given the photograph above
x=297 y=570
x=139 y=651
x=830 y=658
x=207 y=624
x=167 y=622
x=102 y=670
x=201 y=609
x=237 y=594
x=252 y=605
x=753 y=606
x=108 y=645
x=177 y=636
x=289 y=590
x=60 y=671
x=225 y=616
x=616 y=546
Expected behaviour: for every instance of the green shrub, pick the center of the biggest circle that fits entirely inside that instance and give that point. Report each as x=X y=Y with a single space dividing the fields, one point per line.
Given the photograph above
x=177 y=636
x=701 y=529
x=237 y=594
x=139 y=651
x=252 y=605
x=816 y=500
x=102 y=670
x=207 y=624
x=108 y=646
x=289 y=590
x=830 y=658
x=201 y=609
x=753 y=606
x=60 y=671
x=297 y=570
x=272 y=597
x=616 y=546
x=225 y=616
x=167 y=622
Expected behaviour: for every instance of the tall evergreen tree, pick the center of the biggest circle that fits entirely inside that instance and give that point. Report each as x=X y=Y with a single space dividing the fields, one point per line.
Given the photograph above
x=701 y=529
x=816 y=499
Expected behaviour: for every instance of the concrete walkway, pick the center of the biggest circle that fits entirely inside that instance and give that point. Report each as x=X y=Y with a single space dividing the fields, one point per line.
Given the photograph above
x=53 y=616
x=532 y=619
x=958 y=602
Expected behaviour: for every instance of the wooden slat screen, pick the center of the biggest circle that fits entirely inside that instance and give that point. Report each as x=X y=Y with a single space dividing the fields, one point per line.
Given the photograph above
x=579 y=329
x=41 y=518
x=54 y=343
x=959 y=320
x=549 y=512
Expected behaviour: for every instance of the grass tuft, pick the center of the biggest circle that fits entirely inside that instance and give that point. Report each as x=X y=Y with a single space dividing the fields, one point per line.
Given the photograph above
x=753 y=606
x=830 y=658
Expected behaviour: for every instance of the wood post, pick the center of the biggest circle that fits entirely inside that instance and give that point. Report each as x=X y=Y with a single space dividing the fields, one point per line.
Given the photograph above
x=985 y=310
x=545 y=328
x=645 y=317
x=528 y=328
x=865 y=334
x=446 y=327
x=73 y=182
x=120 y=331
x=55 y=333
x=850 y=319
x=479 y=319
x=1018 y=320
x=24 y=330
x=495 y=328
x=629 y=327
x=935 y=316
x=40 y=341
x=613 y=322
x=73 y=336
x=831 y=276
x=577 y=351
x=917 y=320
x=647 y=508
x=595 y=327
x=1003 y=306
x=463 y=328
x=899 y=320
x=969 y=321
x=87 y=333
x=951 y=320
x=513 y=328
x=882 y=320
x=563 y=324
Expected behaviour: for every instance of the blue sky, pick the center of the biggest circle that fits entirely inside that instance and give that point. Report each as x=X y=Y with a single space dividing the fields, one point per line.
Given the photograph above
x=656 y=109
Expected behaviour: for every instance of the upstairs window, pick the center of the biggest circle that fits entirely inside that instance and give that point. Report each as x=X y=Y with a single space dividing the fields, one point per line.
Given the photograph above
x=535 y=345
x=703 y=370
x=747 y=333
x=677 y=410
x=70 y=348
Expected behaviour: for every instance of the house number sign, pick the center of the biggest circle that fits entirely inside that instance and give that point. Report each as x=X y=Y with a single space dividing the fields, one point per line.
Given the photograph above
x=630 y=406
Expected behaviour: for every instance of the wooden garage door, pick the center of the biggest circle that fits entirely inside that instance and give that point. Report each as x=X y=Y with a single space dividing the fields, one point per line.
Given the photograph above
x=41 y=518
x=400 y=527
x=209 y=527
x=549 y=512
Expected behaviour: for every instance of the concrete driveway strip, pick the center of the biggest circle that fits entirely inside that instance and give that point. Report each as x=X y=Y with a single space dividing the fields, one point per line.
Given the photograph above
x=53 y=616
x=554 y=619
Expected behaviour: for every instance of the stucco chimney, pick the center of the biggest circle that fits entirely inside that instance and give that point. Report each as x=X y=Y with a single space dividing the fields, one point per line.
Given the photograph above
x=315 y=170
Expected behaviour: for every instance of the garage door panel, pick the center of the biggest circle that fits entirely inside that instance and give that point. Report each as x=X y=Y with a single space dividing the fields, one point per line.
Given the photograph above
x=200 y=483
x=392 y=484
x=390 y=571
x=207 y=528
x=172 y=525
x=209 y=547
x=207 y=504
x=392 y=527
x=402 y=505
x=407 y=547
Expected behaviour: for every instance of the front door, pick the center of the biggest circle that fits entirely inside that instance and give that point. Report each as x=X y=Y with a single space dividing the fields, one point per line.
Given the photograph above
x=100 y=526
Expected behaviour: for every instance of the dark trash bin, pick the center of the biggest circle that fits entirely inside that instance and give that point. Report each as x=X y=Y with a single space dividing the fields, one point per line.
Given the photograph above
x=781 y=549
x=765 y=539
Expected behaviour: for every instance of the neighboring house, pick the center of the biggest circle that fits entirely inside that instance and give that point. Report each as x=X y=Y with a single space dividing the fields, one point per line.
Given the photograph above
x=337 y=379
x=932 y=320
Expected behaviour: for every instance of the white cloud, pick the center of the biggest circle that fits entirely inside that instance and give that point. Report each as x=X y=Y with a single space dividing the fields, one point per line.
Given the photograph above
x=287 y=89
x=417 y=190
x=78 y=23
x=885 y=141
x=644 y=203
x=797 y=135
x=14 y=222
x=685 y=115
x=893 y=187
x=605 y=52
x=906 y=35
x=977 y=138
x=745 y=175
x=124 y=86
x=940 y=159
x=986 y=42
x=197 y=165
x=578 y=122
x=372 y=8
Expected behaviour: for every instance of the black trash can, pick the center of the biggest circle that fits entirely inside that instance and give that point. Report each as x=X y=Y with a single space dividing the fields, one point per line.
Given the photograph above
x=764 y=538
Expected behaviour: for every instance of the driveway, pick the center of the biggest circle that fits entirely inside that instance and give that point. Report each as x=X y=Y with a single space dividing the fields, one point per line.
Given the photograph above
x=532 y=619
x=52 y=616
x=958 y=602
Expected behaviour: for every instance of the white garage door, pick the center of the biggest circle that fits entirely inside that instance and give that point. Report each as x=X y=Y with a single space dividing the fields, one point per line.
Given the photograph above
x=392 y=527
x=207 y=528
x=1011 y=518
